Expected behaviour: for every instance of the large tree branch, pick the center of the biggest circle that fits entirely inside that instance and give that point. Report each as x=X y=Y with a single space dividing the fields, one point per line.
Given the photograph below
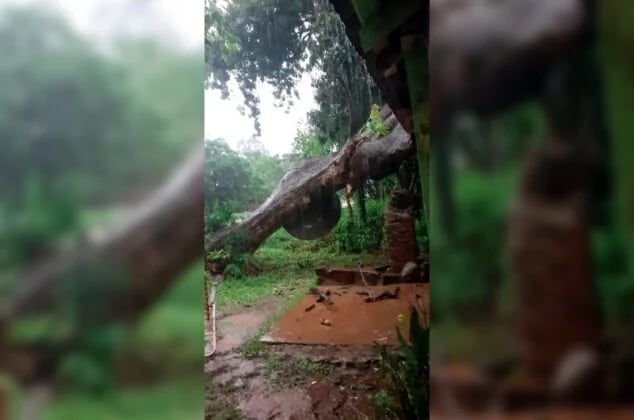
x=361 y=158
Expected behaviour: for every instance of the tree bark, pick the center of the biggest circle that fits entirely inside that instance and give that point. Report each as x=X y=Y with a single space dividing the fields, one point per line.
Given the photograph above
x=486 y=56
x=363 y=215
x=147 y=251
x=361 y=158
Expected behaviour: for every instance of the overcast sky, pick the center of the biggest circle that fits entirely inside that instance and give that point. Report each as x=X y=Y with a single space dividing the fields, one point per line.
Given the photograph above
x=223 y=120
x=181 y=24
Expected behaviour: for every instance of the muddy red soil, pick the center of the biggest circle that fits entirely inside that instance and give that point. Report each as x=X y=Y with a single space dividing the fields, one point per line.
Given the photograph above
x=239 y=387
x=346 y=318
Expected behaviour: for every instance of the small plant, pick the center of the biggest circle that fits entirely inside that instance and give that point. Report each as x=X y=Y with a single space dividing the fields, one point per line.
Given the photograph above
x=282 y=371
x=218 y=256
x=383 y=402
x=253 y=347
x=407 y=370
x=375 y=124
x=233 y=271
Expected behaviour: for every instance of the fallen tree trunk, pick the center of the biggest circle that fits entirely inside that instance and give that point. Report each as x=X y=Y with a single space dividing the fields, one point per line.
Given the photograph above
x=114 y=279
x=137 y=260
x=361 y=158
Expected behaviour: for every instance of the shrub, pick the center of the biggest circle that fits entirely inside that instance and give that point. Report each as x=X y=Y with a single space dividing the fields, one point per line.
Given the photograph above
x=353 y=236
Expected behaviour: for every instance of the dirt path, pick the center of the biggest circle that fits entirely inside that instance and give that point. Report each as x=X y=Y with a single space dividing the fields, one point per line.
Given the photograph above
x=285 y=381
x=235 y=328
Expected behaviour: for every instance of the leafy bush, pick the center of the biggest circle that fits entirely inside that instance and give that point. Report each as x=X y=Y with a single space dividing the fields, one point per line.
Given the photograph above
x=219 y=216
x=354 y=236
x=233 y=271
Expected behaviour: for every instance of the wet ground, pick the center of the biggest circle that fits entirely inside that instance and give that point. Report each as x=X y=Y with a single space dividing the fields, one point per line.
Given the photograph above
x=286 y=381
x=300 y=381
x=346 y=318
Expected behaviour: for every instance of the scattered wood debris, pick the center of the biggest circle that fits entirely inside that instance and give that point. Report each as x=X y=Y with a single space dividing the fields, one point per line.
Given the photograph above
x=380 y=341
x=365 y=283
x=385 y=294
x=321 y=296
x=381 y=268
x=310 y=308
x=325 y=322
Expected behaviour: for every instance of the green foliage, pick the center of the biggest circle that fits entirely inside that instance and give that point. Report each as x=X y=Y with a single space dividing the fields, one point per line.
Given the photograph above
x=33 y=330
x=255 y=40
x=469 y=268
x=90 y=369
x=81 y=130
x=282 y=371
x=375 y=124
x=228 y=182
x=179 y=399
x=220 y=256
x=168 y=338
x=307 y=145
x=407 y=371
x=29 y=233
x=218 y=40
x=353 y=236
x=276 y=42
x=233 y=271
x=236 y=182
x=287 y=265
x=218 y=216
x=610 y=272
x=422 y=235
x=384 y=403
x=266 y=173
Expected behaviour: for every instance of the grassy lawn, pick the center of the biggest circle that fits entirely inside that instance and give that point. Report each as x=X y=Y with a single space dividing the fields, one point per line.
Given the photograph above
x=286 y=264
x=169 y=339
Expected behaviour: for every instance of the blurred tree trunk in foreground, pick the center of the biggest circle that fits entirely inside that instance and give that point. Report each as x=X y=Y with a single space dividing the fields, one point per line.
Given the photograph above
x=119 y=277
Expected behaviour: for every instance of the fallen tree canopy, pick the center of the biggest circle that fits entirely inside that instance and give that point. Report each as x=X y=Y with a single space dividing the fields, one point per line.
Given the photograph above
x=362 y=157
